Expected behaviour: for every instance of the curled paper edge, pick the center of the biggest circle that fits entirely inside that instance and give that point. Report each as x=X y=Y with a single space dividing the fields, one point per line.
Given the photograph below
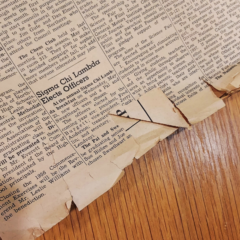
x=228 y=81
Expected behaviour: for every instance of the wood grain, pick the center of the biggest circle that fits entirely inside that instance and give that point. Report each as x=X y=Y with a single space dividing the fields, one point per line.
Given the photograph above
x=187 y=188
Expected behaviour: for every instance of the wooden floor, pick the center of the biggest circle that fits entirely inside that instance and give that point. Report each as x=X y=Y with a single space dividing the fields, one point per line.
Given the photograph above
x=187 y=187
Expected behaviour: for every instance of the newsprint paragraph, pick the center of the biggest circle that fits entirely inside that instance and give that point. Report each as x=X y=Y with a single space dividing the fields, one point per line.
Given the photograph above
x=88 y=85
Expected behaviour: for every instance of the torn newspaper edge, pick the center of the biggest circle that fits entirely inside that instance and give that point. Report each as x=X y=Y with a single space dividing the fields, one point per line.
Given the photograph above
x=158 y=118
x=40 y=171
x=153 y=107
x=149 y=120
x=146 y=134
x=203 y=105
x=83 y=183
x=228 y=80
x=88 y=184
x=153 y=117
x=82 y=186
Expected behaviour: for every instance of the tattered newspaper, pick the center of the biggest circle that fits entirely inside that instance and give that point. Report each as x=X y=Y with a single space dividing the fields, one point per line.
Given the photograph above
x=86 y=86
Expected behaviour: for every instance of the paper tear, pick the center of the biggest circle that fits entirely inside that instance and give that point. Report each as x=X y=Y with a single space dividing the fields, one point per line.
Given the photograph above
x=87 y=184
x=144 y=133
x=131 y=148
x=229 y=94
x=119 y=177
x=150 y=119
x=203 y=105
x=155 y=107
x=68 y=205
x=228 y=80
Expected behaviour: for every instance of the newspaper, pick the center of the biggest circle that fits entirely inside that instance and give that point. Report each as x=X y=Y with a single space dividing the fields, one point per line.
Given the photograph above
x=86 y=86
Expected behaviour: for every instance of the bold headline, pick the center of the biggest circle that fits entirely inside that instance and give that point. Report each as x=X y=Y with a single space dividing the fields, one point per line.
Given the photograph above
x=68 y=83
